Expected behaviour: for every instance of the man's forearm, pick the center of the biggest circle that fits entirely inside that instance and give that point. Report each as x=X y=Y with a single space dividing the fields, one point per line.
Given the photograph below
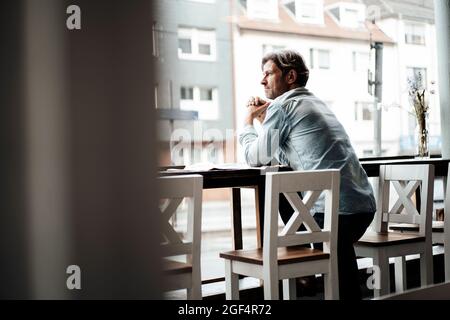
x=248 y=140
x=259 y=149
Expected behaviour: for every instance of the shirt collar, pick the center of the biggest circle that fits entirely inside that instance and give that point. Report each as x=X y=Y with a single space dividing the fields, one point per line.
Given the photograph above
x=291 y=93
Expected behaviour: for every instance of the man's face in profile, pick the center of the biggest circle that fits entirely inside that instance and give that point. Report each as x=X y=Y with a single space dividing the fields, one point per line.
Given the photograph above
x=273 y=80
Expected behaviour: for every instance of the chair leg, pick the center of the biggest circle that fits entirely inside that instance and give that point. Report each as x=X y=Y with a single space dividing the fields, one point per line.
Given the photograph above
x=231 y=282
x=331 y=280
x=195 y=292
x=270 y=285
x=331 y=286
x=400 y=274
x=426 y=266
x=381 y=260
x=289 y=289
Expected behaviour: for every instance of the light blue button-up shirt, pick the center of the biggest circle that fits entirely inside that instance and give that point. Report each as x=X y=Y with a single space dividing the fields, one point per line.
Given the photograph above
x=301 y=131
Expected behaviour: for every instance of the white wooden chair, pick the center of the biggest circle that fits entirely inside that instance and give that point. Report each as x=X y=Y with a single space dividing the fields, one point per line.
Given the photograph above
x=437 y=227
x=282 y=256
x=382 y=243
x=437 y=230
x=186 y=274
x=447 y=225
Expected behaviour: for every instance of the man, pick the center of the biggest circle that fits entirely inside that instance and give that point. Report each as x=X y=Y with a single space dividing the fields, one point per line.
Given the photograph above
x=299 y=130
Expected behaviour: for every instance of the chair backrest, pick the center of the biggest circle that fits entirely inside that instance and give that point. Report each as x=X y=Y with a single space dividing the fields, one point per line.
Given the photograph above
x=174 y=189
x=405 y=179
x=447 y=194
x=290 y=183
x=447 y=226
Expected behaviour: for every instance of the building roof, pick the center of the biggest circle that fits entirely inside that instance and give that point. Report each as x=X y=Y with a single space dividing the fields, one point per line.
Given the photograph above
x=417 y=10
x=330 y=29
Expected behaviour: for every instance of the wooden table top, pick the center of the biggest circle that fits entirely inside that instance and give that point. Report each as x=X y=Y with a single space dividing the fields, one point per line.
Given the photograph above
x=228 y=178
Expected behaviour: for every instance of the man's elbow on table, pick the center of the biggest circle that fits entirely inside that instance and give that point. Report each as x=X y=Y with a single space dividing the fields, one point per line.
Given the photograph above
x=256 y=159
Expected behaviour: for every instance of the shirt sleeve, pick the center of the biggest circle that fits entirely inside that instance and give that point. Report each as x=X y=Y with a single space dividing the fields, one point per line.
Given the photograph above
x=281 y=157
x=260 y=148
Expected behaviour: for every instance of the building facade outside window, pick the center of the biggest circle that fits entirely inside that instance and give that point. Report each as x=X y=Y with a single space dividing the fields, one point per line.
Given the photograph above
x=363 y=111
x=360 y=61
x=320 y=59
x=415 y=33
x=202 y=1
x=348 y=14
x=261 y=9
x=352 y=17
x=156 y=30
x=266 y=48
x=204 y=100
x=414 y=73
x=309 y=11
x=196 y=44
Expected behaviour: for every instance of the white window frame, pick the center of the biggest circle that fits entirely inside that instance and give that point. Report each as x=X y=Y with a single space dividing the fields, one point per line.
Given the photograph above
x=156 y=30
x=262 y=9
x=350 y=16
x=345 y=19
x=411 y=29
x=314 y=59
x=197 y=37
x=187 y=87
x=207 y=109
x=266 y=48
x=318 y=14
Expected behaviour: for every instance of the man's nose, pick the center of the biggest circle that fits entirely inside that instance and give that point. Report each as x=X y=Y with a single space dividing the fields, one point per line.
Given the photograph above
x=264 y=81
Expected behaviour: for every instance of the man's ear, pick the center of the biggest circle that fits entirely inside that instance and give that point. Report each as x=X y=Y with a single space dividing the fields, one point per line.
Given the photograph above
x=291 y=76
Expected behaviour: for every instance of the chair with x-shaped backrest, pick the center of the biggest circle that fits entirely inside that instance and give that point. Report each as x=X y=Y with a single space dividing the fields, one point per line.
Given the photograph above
x=382 y=243
x=185 y=274
x=284 y=254
x=446 y=239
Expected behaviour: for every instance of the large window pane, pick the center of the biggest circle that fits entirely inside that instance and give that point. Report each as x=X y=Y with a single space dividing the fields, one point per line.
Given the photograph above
x=204 y=49
x=187 y=93
x=185 y=45
x=206 y=94
x=324 y=59
x=414 y=33
x=210 y=61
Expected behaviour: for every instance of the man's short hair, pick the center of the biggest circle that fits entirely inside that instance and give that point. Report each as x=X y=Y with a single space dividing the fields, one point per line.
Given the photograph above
x=287 y=60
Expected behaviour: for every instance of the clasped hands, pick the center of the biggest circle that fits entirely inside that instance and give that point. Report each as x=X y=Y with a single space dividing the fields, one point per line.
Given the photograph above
x=256 y=109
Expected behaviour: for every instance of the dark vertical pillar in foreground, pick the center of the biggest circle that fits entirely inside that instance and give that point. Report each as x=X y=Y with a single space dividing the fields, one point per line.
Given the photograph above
x=14 y=278
x=78 y=128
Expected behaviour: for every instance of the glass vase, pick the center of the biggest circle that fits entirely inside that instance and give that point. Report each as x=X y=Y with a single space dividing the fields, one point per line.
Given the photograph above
x=422 y=137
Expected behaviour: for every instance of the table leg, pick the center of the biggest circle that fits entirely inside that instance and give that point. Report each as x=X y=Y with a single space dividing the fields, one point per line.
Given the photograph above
x=259 y=204
x=236 y=218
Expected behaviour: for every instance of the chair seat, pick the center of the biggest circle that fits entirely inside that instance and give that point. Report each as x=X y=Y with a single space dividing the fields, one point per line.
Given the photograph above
x=390 y=238
x=285 y=255
x=437 y=226
x=176 y=267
